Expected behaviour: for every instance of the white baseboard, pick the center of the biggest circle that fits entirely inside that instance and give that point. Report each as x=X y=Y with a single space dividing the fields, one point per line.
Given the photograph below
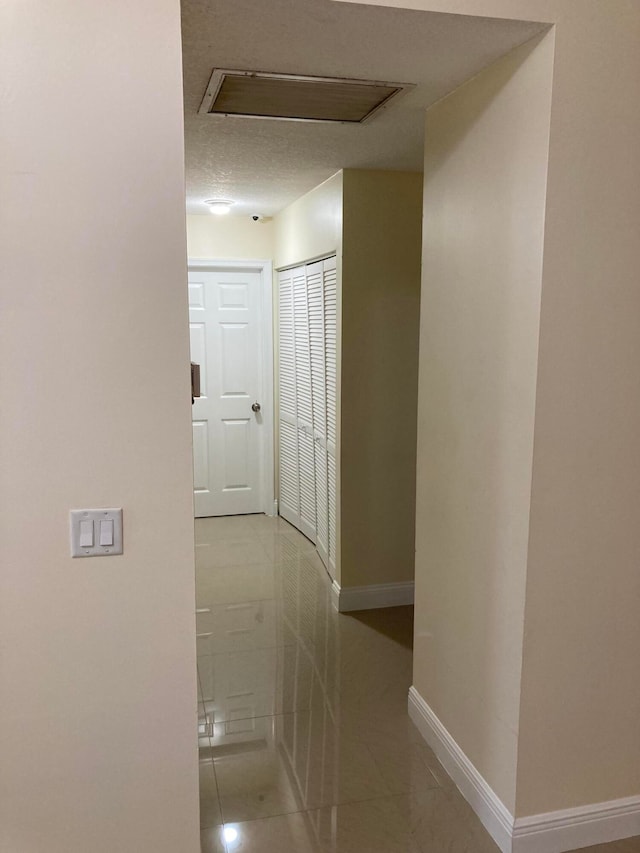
x=371 y=597
x=553 y=832
x=495 y=816
x=571 y=829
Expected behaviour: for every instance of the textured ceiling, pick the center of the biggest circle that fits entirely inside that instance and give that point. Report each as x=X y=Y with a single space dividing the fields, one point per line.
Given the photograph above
x=264 y=165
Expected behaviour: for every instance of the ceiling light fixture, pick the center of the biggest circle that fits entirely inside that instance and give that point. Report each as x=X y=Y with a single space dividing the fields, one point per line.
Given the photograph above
x=230 y=834
x=219 y=206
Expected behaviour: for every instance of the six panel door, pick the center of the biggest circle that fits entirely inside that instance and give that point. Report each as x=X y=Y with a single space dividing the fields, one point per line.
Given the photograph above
x=226 y=340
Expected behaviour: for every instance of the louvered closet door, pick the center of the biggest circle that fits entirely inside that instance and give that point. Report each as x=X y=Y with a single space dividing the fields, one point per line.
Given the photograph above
x=319 y=393
x=304 y=406
x=330 y=343
x=289 y=503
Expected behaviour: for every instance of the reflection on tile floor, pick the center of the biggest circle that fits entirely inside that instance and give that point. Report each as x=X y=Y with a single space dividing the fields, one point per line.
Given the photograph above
x=305 y=742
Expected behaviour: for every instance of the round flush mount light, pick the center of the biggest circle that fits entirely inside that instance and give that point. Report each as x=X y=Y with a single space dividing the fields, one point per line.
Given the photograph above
x=230 y=834
x=219 y=206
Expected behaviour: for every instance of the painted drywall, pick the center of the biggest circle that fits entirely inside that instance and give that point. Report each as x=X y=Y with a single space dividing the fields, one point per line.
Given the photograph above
x=580 y=741
x=378 y=260
x=311 y=227
x=97 y=671
x=578 y=733
x=229 y=237
x=548 y=11
x=484 y=189
x=381 y=258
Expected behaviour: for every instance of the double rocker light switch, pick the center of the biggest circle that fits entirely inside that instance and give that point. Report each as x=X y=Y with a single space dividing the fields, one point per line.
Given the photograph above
x=96 y=532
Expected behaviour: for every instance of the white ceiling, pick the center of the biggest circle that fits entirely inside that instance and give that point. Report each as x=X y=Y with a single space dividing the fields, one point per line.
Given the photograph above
x=264 y=165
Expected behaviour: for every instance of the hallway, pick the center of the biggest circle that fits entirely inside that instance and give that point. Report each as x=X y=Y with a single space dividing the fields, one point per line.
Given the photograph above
x=305 y=742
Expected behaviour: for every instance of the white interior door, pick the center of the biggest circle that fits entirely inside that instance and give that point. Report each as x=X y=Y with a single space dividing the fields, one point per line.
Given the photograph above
x=289 y=504
x=226 y=328
x=319 y=396
x=330 y=347
x=304 y=405
x=307 y=390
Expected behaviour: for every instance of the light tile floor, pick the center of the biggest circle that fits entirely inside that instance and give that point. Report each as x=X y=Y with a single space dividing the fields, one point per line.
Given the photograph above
x=305 y=742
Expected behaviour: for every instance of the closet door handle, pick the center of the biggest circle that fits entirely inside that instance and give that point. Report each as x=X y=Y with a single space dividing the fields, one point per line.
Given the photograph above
x=256 y=407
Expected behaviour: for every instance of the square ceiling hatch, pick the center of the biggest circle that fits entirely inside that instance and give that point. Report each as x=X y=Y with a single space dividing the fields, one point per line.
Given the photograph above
x=291 y=97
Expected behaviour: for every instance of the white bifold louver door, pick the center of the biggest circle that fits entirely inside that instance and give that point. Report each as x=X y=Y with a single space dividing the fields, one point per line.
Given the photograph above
x=330 y=357
x=289 y=503
x=315 y=300
x=307 y=381
x=304 y=405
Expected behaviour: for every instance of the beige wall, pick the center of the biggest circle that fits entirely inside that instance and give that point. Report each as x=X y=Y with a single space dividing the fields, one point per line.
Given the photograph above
x=97 y=674
x=485 y=173
x=372 y=221
x=545 y=11
x=578 y=735
x=229 y=237
x=311 y=227
x=380 y=316
x=580 y=740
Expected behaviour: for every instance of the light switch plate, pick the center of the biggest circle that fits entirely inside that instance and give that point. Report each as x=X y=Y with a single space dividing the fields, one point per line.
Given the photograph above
x=95 y=516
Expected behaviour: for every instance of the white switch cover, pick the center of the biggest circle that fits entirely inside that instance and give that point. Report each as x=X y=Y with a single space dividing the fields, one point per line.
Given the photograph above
x=96 y=532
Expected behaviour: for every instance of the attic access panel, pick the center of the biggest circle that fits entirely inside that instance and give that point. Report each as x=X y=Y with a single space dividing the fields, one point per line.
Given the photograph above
x=291 y=97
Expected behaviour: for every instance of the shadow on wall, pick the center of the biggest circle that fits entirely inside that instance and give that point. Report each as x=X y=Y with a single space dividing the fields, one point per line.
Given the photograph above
x=396 y=623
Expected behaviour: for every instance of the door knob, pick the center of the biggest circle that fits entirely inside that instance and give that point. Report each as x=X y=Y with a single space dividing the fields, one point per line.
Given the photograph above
x=255 y=407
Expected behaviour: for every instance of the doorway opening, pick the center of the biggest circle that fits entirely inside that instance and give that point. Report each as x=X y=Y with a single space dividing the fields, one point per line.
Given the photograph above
x=293 y=694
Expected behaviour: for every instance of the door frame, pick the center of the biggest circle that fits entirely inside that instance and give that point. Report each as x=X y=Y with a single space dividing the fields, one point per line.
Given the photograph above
x=265 y=268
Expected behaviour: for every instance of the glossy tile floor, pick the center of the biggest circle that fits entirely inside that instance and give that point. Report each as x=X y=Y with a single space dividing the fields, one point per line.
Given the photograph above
x=305 y=743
